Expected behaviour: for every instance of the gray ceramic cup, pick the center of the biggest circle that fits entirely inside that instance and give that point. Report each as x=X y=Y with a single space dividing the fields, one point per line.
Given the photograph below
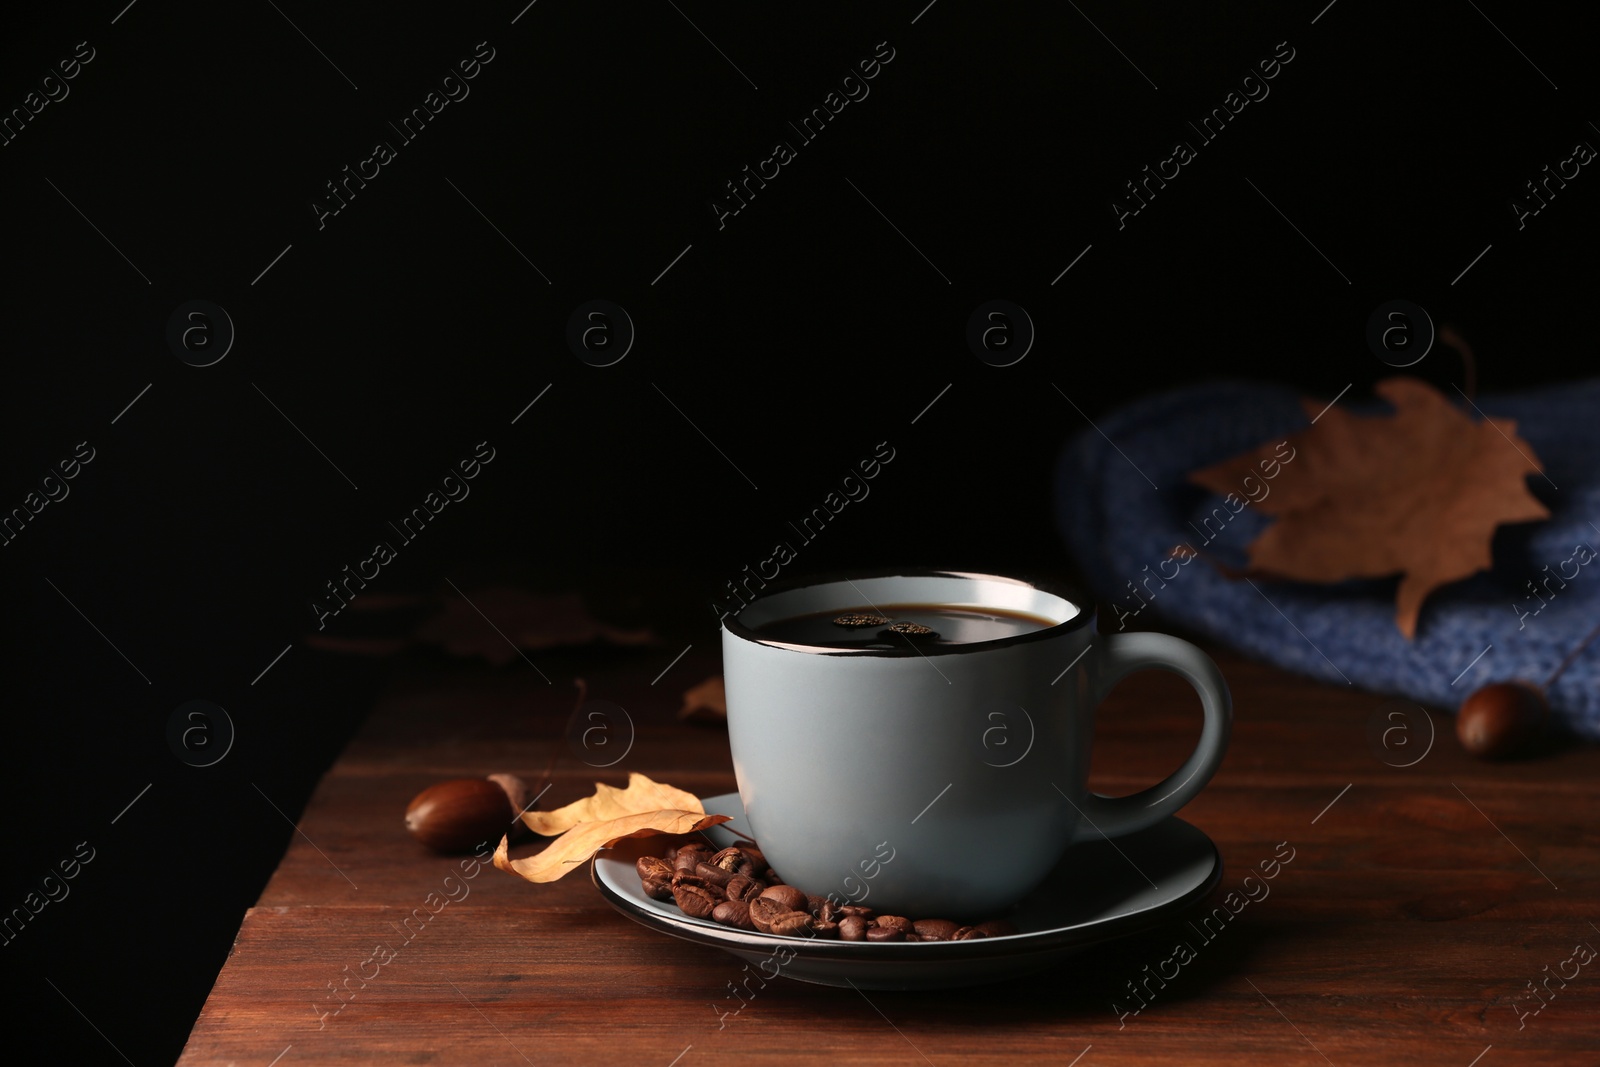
x=940 y=782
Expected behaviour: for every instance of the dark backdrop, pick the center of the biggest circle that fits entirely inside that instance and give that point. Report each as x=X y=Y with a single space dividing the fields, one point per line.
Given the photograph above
x=376 y=347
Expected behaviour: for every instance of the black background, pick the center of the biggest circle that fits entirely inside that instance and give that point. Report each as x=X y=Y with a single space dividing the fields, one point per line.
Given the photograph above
x=796 y=337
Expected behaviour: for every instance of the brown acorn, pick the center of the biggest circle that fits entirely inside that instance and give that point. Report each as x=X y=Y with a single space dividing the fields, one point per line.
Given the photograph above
x=1501 y=720
x=463 y=813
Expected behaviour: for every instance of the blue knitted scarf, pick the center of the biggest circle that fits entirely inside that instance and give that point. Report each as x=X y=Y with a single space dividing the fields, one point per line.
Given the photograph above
x=1123 y=504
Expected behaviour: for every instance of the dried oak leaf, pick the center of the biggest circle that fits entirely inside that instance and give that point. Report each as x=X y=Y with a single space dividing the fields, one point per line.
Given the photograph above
x=1418 y=493
x=706 y=702
x=586 y=826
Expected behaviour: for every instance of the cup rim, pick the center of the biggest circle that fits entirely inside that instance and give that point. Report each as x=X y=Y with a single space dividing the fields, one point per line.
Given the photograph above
x=1082 y=619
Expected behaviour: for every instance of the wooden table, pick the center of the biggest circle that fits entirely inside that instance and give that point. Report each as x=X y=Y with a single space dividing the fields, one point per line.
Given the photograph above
x=1420 y=903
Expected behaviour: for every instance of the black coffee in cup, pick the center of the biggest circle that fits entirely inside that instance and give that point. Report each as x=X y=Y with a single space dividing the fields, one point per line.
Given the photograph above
x=899 y=625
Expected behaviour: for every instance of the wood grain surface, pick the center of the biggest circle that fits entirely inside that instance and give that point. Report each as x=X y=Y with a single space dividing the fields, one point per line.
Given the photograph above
x=1420 y=903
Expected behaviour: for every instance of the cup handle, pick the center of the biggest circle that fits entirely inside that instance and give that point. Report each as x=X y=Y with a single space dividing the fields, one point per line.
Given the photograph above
x=1121 y=655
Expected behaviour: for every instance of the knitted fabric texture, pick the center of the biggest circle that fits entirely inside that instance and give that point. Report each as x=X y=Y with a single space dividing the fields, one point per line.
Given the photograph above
x=1123 y=507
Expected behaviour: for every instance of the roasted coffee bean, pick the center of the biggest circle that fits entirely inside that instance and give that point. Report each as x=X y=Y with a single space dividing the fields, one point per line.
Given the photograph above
x=814 y=905
x=657 y=890
x=695 y=900
x=967 y=933
x=857 y=909
x=914 y=629
x=741 y=888
x=763 y=910
x=686 y=860
x=935 y=929
x=828 y=911
x=912 y=937
x=885 y=933
x=728 y=859
x=753 y=855
x=670 y=854
x=651 y=868
x=690 y=880
x=733 y=913
x=791 y=924
x=825 y=931
x=787 y=895
x=770 y=876
x=997 y=928
x=898 y=921
x=749 y=870
x=858 y=620
x=852 y=928
x=713 y=875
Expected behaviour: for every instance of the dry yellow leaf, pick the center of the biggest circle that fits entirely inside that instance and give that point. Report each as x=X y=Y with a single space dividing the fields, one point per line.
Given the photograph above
x=609 y=802
x=575 y=846
x=645 y=808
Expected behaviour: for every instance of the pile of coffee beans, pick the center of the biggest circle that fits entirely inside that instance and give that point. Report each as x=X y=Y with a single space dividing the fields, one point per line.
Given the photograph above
x=735 y=887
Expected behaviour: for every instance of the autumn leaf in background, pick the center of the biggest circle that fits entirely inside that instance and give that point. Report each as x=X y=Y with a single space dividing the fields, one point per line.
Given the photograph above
x=706 y=702
x=645 y=808
x=522 y=619
x=453 y=620
x=1418 y=493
